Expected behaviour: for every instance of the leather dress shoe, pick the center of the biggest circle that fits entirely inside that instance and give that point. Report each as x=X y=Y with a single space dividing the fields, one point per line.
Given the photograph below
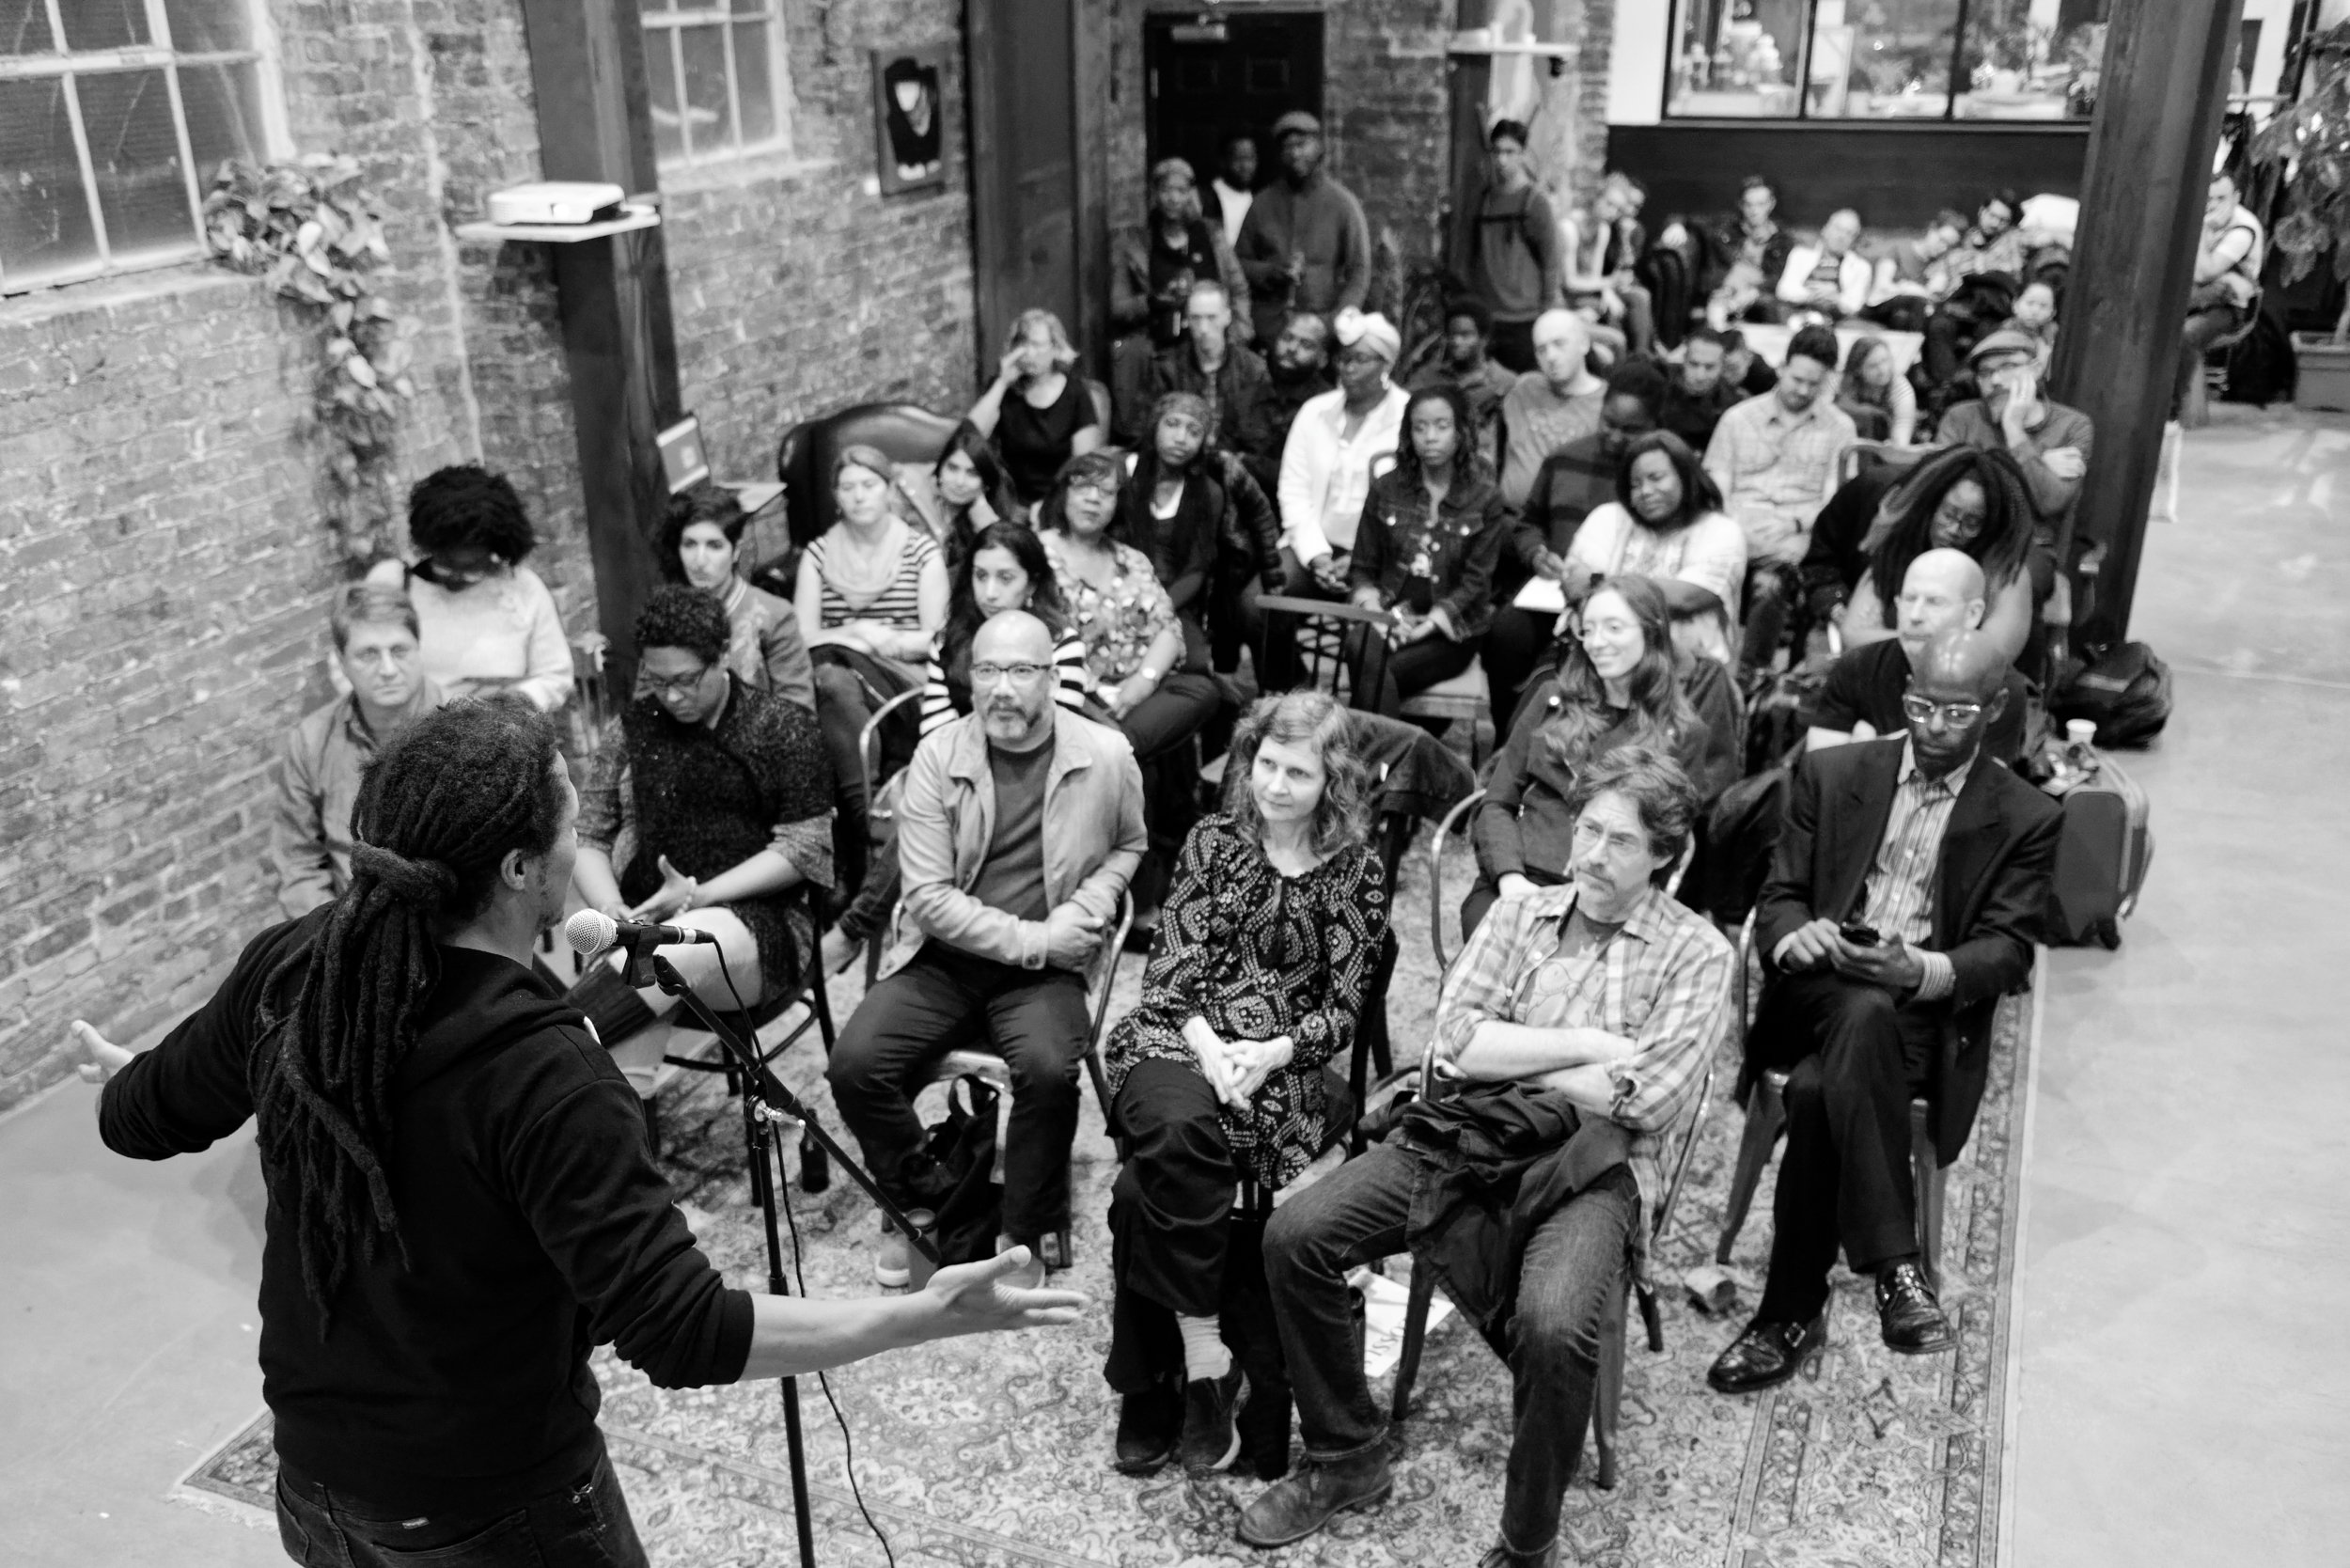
x=1298 y=1505
x=1911 y=1319
x=1500 y=1556
x=1148 y=1426
x=1768 y=1354
x=1211 y=1441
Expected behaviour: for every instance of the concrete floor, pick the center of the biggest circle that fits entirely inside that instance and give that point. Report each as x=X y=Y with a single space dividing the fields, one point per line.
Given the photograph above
x=2182 y=1397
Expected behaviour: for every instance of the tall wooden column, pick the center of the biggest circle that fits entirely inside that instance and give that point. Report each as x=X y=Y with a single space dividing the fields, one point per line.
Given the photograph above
x=595 y=123
x=2159 y=98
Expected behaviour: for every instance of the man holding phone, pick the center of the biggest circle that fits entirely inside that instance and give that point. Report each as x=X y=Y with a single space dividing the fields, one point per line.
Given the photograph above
x=2012 y=413
x=1902 y=905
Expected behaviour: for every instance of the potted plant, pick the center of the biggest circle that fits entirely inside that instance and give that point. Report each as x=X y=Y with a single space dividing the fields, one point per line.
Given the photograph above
x=2310 y=140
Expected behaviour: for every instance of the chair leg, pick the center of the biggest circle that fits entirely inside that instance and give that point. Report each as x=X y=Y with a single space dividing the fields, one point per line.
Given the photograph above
x=1925 y=1170
x=1608 y=1402
x=1414 y=1338
x=1766 y=1118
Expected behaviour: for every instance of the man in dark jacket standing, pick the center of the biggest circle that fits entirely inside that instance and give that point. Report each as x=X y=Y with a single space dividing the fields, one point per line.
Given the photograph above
x=1943 y=857
x=1305 y=244
x=461 y=1201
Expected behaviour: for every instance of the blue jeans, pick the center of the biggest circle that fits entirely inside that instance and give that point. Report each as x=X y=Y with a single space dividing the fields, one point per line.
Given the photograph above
x=1574 y=1262
x=585 y=1525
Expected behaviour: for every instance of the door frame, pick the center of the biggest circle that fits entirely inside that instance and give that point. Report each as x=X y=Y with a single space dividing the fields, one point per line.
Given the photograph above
x=1170 y=11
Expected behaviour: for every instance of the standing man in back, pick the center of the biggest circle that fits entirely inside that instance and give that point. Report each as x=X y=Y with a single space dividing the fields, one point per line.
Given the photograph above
x=1509 y=248
x=1305 y=244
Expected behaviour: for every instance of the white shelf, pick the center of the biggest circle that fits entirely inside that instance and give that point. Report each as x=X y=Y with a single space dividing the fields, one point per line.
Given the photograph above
x=631 y=218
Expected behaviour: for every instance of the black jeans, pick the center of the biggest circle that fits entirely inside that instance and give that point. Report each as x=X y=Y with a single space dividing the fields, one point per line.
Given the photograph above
x=585 y=1525
x=1855 y=1057
x=943 y=1000
x=1574 y=1260
x=1170 y=1216
x=1382 y=677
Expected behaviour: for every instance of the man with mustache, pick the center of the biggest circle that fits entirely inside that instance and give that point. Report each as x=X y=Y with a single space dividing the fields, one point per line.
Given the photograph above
x=1019 y=828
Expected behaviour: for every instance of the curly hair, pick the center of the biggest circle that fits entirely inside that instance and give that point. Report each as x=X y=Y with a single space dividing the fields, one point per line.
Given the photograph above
x=467 y=503
x=439 y=809
x=1661 y=710
x=1903 y=529
x=1314 y=720
x=1469 y=462
x=1700 y=494
x=704 y=502
x=676 y=616
x=1658 y=791
x=1018 y=541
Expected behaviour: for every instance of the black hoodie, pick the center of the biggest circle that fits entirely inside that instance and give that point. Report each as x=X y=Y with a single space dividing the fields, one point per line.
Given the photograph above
x=534 y=1223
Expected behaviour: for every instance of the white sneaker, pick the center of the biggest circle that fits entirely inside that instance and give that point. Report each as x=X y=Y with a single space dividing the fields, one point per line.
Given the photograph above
x=893 y=1260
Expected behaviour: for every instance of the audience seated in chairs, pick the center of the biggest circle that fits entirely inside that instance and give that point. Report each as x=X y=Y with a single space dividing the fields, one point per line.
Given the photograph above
x=1741 y=258
x=1467 y=364
x=1509 y=249
x=1229 y=376
x=1599 y=283
x=1209 y=531
x=1432 y=528
x=1743 y=368
x=1551 y=405
x=2012 y=413
x=701 y=547
x=1861 y=700
x=1912 y=277
x=1983 y=272
x=1959 y=498
x=1701 y=391
x=1876 y=396
x=2227 y=281
x=1666 y=524
x=1038 y=411
x=1575 y=480
x=1583 y=1017
x=965 y=490
x=717 y=795
x=1619 y=684
x=1775 y=457
x=2035 y=316
x=1297 y=369
x=321 y=759
x=1019 y=828
x=485 y=621
x=1259 y=975
x=1827 y=277
x=1326 y=464
x=1903 y=903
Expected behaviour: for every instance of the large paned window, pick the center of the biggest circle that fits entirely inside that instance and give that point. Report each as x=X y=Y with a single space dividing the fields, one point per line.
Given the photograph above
x=114 y=116
x=1885 y=60
x=715 y=70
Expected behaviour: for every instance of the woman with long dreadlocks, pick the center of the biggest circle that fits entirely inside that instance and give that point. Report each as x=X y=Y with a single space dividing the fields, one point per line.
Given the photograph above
x=461 y=1201
x=1964 y=499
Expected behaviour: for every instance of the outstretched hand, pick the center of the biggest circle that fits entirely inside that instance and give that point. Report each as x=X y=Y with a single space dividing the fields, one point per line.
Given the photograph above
x=974 y=1299
x=106 y=1059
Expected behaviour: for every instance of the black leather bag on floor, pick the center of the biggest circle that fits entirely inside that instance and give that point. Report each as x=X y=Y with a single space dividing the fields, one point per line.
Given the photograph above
x=958 y=1183
x=2124 y=691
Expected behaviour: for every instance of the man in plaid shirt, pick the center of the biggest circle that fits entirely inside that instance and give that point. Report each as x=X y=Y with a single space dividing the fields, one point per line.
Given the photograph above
x=1581 y=1018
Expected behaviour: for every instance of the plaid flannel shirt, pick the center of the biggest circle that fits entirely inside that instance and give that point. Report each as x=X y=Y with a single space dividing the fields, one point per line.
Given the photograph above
x=1665 y=987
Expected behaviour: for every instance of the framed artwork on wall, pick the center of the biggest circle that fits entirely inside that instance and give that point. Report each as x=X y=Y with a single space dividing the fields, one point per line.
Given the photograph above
x=910 y=117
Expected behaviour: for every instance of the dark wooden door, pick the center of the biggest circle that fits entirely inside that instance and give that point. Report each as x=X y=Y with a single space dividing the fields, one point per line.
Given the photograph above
x=1202 y=81
x=1023 y=165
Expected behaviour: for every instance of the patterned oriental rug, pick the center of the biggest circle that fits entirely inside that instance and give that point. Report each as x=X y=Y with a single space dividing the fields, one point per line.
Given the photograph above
x=992 y=1454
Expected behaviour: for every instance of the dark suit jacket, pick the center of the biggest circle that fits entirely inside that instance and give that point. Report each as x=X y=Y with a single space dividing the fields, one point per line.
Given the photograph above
x=1997 y=857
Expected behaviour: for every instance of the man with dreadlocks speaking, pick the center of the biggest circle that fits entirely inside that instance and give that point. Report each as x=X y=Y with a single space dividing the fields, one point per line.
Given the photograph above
x=461 y=1205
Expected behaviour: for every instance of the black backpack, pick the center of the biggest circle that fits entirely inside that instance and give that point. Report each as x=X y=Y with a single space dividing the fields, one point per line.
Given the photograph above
x=954 y=1176
x=2124 y=690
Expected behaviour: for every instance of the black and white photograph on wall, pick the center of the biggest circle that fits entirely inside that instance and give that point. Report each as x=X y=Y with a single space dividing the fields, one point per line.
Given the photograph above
x=910 y=153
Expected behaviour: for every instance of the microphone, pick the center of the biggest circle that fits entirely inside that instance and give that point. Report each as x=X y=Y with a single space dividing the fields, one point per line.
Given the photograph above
x=591 y=930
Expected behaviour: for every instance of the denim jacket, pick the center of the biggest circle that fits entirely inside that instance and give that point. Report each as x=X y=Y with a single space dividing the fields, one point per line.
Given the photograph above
x=1397 y=541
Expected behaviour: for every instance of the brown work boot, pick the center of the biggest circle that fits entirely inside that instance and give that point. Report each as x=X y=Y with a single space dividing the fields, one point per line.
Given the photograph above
x=1294 y=1508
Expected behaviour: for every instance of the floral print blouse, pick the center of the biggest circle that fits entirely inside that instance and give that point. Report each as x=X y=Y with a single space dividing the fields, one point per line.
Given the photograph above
x=1118 y=624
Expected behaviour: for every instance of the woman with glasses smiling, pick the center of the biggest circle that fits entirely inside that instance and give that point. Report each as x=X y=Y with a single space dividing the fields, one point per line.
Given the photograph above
x=485 y=621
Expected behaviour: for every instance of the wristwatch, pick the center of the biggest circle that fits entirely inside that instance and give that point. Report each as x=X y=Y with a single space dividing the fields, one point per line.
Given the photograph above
x=1148 y=674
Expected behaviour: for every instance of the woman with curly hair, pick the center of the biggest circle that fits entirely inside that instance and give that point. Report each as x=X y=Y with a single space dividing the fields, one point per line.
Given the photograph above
x=701 y=547
x=1257 y=978
x=1432 y=528
x=485 y=621
x=1619 y=684
x=1964 y=498
x=1038 y=411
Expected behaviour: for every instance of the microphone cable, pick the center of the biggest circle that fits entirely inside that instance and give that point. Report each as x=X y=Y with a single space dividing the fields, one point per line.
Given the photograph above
x=792 y=1223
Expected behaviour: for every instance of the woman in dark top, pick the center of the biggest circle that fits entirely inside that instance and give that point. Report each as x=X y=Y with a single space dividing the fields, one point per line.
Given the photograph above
x=1153 y=267
x=701 y=547
x=1432 y=528
x=1961 y=499
x=966 y=492
x=1171 y=509
x=1619 y=683
x=723 y=795
x=1257 y=978
x=1051 y=419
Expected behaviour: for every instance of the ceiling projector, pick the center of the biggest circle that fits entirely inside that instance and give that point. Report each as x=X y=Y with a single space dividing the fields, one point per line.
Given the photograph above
x=556 y=202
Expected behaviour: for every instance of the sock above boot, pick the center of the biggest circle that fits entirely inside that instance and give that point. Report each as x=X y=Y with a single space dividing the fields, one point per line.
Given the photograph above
x=1205 y=1355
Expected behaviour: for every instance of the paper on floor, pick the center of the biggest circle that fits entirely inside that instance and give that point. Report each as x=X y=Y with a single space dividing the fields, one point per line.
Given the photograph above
x=1385 y=1302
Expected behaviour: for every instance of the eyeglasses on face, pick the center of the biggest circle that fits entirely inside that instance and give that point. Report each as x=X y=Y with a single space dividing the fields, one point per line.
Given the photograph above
x=677 y=685
x=1955 y=715
x=1020 y=674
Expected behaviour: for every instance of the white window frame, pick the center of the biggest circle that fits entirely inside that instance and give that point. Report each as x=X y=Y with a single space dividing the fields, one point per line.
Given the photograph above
x=158 y=55
x=666 y=26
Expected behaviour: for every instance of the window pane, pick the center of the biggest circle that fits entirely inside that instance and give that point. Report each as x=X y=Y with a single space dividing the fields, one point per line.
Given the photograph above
x=44 y=217
x=668 y=145
x=105 y=23
x=1882 y=60
x=208 y=27
x=134 y=154
x=754 y=82
x=25 y=27
x=707 y=120
x=1737 y=57
x=2029 y=59
x=223 y=109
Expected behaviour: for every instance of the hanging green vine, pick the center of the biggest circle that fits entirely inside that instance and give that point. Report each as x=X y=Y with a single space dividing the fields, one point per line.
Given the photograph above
x=314 y=233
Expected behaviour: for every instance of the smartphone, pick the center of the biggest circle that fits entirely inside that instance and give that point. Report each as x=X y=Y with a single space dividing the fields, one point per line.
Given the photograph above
x=1860 y=934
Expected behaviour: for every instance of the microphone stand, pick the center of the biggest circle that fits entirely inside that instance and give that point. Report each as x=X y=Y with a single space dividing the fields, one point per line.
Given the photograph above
x=767 y=1104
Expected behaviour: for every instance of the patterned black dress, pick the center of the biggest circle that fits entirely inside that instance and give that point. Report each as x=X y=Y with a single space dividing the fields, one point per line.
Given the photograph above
x=1259 y=955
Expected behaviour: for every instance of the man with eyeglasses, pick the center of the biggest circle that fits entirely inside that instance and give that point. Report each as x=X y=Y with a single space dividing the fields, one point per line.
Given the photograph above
x=1903 y=903
x=1942 y=591
x=1020 y=826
